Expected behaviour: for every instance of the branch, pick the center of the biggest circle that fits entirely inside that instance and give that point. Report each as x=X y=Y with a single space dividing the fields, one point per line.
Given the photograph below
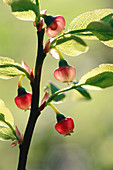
x=62 y=91
x=34 y=114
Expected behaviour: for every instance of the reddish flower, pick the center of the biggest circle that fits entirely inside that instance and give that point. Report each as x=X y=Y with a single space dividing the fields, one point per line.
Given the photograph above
x=23 y=99
x=65 y=126
x=65 y=74
x=54 y=25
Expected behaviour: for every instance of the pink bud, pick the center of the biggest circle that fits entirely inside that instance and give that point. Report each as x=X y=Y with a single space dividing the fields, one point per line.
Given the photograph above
x=54 y=53
x=45 y=98
x=65 y=126
x=40 y=25
x=18 y=134
x=23 y=99
x=65 y=74
x=27 y=68
x=32 y=75
x=56 y=27
x=47 y=46
x=43 y=12
x=43 y=101
x=14 y=144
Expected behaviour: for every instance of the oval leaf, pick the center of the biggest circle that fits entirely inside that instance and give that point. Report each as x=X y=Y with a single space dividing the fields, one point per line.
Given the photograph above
x=71 y=45
x=83 y=92
x=103 y=31
x=101 y=77
x=9 y=69
x=24 y=9
x=82 y=21
x=6 y=133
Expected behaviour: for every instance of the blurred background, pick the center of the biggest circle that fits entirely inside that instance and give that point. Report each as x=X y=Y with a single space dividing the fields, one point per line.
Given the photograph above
x=90 y=147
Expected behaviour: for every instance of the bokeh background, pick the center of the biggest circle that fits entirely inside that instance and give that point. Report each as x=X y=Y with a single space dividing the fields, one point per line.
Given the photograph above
x=91 y=145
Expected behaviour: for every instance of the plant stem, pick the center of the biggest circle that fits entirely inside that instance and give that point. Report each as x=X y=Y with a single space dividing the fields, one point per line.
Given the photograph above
x=34 y=113
x=62 y=91
x=59 y=53
x=54 y=108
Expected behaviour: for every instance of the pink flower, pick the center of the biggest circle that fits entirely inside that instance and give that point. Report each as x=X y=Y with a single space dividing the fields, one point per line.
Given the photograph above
x=65 y=126
x=23 y=99
x=65 y=74
x=55 y=25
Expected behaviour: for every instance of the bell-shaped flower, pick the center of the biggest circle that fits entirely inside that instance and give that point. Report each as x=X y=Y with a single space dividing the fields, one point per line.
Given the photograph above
x=55 y=25
x=65 y=125
x=64 y=73
x=23 y=99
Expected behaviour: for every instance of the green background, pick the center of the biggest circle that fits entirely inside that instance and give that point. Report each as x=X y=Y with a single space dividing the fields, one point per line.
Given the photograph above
x=91 y=145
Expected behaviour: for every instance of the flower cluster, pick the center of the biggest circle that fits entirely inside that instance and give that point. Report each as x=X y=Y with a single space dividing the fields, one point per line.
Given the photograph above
x=64 y=73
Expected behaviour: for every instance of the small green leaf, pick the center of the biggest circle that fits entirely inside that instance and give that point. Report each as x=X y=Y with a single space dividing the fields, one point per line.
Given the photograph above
x=82 y=21
x=6 y=114
x=101 y=77
x=9 y=69
x=6 y=133
x=6 y=123
x=51 y=88
x=103 y=32
x=71 y=45
x=24 y=9
x=82 y=91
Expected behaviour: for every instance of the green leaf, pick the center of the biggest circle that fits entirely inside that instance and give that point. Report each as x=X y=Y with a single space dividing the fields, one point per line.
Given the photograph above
x=51 y=88
x=82 y=21
x=24 y=9
x=82 y=91
x=6 y=133
x=103 y=32
x=9 y=69
x=6 y=114
x=6 y=123
x=71 y=45
x=107 y=18
x=101 y=77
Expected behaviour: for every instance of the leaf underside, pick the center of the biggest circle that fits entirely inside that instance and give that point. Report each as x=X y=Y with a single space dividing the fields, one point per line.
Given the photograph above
x=101 y=77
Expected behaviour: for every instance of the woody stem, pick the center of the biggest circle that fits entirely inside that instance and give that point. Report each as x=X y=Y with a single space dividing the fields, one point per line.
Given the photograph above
x=34 y=113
